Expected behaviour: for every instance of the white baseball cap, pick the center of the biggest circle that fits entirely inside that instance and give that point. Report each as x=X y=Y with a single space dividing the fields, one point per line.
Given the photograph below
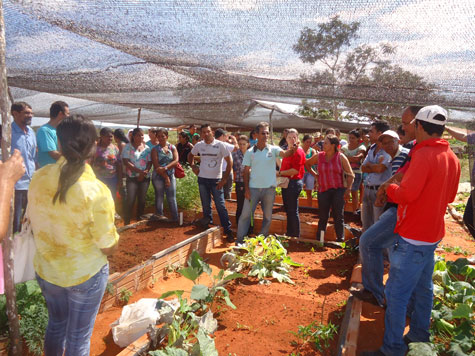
x=428 y=113
x=389 y=133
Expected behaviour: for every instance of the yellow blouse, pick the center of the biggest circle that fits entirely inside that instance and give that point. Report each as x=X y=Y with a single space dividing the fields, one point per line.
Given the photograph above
x=69 y=235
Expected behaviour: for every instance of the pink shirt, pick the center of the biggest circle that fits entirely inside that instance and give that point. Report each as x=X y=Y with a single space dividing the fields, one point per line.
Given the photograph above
x=330 y=174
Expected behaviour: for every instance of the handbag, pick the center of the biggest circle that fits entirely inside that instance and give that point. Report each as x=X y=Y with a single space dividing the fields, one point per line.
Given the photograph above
x=344 y=175
x=24 y=249
x=283 y=182
x=179 y=171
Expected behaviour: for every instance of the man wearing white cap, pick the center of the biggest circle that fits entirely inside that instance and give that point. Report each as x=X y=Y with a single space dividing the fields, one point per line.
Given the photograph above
x=429 y=184
x=380 y=235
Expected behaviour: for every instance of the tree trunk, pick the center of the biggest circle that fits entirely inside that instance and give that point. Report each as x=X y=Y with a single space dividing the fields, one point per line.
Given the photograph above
x=13 y=322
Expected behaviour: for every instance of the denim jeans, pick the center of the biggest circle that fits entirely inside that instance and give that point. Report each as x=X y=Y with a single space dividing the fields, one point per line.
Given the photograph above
x=291 y=197
x=335 y=199
x=135 y=190
x=410 y=276
x=264 y=195
x=228 y=187
x=239 y=187
x=208 y=188
x=373 y=242
x=160 y=190
x=72 y=312
x=111 y=184
x=370 y=213
x=21 y=200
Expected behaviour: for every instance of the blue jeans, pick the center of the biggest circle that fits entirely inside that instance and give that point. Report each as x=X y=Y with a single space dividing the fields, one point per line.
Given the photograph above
x=135 y=190
x=207 y=188
x=335 y=199
x=372 y=244
x=72 y=312
x=111 y=184
x=410 y=276
x=370 y=213
x=291 y=197
x=264 y=195
x=21 y=200
x=160 y=190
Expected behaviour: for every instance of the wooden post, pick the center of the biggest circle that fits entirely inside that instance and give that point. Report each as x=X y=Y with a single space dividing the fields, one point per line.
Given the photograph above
x=271 y=127
x=138 y=117
x=13 y=322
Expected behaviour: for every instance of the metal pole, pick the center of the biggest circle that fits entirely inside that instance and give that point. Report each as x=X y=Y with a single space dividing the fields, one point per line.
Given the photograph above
x=271 y=127
x=138 y=117
x=13 y=322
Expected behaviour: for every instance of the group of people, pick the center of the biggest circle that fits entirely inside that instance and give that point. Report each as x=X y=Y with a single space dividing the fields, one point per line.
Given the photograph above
x=70 y=204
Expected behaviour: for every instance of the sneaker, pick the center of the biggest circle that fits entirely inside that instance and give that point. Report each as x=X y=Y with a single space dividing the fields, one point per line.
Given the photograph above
x=229 y=236
x=158 y=218
x=366 y=296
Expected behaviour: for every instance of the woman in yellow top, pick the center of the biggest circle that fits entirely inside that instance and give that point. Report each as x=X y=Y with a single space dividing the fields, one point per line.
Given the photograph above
x=72 y=218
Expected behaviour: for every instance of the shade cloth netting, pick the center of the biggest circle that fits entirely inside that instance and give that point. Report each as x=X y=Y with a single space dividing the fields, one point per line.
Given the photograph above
x=195 y=61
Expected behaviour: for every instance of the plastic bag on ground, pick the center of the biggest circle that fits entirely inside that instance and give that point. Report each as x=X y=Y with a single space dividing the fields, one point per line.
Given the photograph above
x=134 y=321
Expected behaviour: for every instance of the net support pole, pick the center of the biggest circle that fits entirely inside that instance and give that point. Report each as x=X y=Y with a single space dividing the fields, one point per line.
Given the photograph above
x=271 y=127
x=13 y=321
x=138 y=117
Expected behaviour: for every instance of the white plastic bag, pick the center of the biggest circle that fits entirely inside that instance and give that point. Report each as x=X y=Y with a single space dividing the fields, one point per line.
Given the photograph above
x=134 y=321
x=24 y=250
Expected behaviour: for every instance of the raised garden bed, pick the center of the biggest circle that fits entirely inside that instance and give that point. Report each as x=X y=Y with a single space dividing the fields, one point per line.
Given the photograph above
x=266 y=315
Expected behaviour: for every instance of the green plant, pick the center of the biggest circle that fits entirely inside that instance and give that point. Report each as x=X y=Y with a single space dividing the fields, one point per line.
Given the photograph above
x=187 y=192
x=457 y=250
x=189 y=330
x=31 y=307
x=110 y=288
x=319 y=335
x=124 y=295
x=453 y=309
x=460 y=207
x=265 y=256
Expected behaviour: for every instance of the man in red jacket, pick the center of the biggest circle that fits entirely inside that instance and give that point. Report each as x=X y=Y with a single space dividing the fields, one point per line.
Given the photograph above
x=429 y=184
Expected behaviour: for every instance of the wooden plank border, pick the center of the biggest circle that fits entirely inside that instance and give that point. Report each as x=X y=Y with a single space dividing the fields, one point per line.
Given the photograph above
x=140 y=276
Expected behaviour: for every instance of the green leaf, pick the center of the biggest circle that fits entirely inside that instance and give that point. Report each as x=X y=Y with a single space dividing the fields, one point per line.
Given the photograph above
x=468 y=271
x=169 y=351
x=207 y=346
x=456 y=350
x=462 y=311
x=189 y=272
x=172 y=292
x=440 y=266
x=199 y=292
x=438 y=291
x=421 y=349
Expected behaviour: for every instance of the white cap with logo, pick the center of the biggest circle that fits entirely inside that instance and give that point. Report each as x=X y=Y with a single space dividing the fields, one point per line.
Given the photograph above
x=427 y=114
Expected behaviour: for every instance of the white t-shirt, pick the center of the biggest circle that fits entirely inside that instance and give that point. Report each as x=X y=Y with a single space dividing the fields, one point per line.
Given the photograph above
x=230 y=148
x=211 y=158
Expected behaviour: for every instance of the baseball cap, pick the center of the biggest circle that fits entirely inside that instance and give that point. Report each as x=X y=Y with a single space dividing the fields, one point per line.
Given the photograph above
x=428 y=113
x=389 y=133
x=219 y=132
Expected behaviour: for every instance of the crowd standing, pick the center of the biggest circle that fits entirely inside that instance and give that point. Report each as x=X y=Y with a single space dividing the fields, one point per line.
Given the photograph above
x=390 y=174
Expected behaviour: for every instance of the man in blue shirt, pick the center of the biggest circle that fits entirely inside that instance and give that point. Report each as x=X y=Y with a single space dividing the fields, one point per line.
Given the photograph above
x=260 y=181
x=46 y=136
x=378 y=166
x=24 y=140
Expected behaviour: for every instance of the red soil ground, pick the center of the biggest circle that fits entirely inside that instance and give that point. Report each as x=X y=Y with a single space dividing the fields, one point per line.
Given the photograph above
x=265 y=315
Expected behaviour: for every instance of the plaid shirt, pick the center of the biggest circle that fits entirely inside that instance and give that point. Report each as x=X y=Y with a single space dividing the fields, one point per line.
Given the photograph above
x=237 y=165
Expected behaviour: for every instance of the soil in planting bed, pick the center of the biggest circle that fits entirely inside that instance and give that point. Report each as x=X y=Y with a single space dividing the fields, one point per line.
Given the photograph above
x=138 y=244
x=266 y=314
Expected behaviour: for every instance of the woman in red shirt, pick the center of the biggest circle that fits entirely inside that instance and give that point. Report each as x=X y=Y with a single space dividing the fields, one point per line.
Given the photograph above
x=331 y=190
x=293 y=167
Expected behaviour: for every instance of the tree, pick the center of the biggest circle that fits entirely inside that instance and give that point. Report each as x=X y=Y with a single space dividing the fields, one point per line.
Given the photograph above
x=362 y=72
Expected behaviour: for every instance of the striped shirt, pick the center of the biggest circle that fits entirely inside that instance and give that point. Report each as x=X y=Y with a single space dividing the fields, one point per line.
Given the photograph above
x=330 y=174
x=399 y=159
